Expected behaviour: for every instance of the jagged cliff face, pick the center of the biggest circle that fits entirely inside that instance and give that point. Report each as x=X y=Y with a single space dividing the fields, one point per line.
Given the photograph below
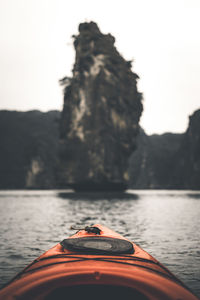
x=29 y=149
x=102 y=108
x=168 y=161
x=152 y=165
x=187 y=171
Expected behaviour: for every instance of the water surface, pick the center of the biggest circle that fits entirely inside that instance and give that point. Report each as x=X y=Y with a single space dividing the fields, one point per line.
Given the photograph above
x=164 y=223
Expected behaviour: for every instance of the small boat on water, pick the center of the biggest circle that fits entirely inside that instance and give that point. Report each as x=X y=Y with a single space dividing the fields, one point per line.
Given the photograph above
x=96 y=263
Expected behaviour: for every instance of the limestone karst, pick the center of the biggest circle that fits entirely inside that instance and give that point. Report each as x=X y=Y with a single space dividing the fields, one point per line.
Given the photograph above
x=101 y=112
x=29 y=154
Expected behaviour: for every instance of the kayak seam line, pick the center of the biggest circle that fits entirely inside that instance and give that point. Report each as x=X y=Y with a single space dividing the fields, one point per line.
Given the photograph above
x=99 y=258
x=106 y=260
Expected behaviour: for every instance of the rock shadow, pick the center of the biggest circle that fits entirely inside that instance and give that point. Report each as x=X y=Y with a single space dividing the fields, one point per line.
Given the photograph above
x=194 y=196
x=97 y=196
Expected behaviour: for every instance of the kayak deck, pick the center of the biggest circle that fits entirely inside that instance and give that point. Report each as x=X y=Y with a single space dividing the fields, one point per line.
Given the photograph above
x=96 y=265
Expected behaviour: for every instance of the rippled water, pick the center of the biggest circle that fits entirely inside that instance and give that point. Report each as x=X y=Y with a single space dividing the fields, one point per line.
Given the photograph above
x=164 y=223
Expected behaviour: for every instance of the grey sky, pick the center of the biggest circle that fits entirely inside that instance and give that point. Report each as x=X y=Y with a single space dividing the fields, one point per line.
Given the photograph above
x=162 y=36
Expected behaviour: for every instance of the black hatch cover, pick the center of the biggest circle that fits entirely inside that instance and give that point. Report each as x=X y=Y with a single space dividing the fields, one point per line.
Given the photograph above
x=98 y=245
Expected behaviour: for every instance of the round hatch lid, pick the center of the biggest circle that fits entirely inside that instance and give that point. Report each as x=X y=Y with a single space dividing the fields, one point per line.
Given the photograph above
x=98 y=245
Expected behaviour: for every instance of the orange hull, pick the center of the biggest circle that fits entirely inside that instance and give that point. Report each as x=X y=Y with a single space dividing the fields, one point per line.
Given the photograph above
x=61 y=271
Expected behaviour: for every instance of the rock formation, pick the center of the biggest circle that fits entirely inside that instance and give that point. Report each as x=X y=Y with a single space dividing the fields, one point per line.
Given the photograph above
x=187 y=166
x=99 y=121
x=29 y=149
x=167 y=161
x=151 y=166
x=29 y=154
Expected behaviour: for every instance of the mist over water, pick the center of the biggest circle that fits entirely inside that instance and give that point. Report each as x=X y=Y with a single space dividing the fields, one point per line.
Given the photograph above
x=164 y=223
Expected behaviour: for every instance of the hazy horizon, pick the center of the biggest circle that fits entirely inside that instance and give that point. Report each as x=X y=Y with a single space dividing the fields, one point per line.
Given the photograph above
x=162 y=38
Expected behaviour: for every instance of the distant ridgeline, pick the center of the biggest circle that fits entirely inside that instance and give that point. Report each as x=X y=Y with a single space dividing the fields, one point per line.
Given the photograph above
x=29 y=154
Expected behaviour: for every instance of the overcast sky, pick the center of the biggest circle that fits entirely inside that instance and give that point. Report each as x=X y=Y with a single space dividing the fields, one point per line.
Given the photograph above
x=162 y=36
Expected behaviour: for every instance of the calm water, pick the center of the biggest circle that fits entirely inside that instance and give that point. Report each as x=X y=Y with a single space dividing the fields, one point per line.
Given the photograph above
x=165 y=223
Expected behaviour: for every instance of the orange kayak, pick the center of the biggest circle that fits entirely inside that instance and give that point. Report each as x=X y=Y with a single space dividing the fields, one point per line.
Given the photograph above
x=96 y=263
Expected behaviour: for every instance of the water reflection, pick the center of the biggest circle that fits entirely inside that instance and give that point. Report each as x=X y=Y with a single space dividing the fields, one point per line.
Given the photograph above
x=194 y=196
x=98 y=196
x=165 y=223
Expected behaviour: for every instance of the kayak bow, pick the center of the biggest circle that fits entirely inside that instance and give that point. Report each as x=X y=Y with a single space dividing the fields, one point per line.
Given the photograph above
x=96 y=263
